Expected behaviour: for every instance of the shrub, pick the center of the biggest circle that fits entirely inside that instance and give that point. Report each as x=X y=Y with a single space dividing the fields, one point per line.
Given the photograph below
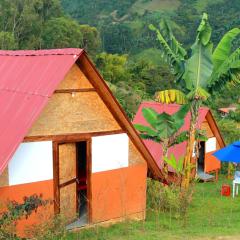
x=169 y=198
x=15 y=211
x=53 y=228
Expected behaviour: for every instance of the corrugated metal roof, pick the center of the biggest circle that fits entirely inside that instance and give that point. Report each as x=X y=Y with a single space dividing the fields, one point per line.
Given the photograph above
x=27 y=80
x=155 y=148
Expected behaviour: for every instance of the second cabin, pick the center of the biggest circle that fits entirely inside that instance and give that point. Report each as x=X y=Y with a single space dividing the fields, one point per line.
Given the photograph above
x=206 y=164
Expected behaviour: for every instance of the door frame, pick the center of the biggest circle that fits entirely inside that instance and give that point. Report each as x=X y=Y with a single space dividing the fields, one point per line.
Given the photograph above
x=56 y=185
x=204 y=153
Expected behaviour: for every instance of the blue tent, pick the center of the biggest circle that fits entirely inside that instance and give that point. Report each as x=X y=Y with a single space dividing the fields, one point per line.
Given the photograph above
x=231 y=153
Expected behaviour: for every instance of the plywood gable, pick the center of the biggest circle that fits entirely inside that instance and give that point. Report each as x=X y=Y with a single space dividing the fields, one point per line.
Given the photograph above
x=74 y=112
x=206 y=127
x=82 y=113
x=4 y=178
x=75 y=79
x=135 y=156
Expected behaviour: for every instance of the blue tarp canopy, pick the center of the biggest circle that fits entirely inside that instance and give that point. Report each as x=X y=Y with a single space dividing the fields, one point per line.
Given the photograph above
x=231 y=153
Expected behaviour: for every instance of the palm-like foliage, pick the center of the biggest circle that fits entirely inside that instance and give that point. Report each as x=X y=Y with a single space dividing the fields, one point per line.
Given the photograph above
x=203 y=70
x=164 y=128
x=199 y=71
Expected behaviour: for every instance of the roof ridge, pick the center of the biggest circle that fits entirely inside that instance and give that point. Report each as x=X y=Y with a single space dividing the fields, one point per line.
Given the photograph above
x=169 y=105
x=45 y=52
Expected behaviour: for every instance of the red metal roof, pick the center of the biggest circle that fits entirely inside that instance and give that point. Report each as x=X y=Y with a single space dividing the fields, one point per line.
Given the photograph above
x=227 y=109
x=27 y=80
x=155 y=148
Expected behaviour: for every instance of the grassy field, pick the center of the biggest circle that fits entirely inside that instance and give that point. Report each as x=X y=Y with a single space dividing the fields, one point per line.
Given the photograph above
x=211 y=216
x=202 y=4
x=154 y=5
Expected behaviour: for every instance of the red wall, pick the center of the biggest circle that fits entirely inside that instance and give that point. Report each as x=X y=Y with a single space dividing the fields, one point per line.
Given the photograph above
x=118 y=193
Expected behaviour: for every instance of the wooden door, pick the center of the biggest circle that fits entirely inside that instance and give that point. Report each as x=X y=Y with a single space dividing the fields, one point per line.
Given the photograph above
x=67 y=180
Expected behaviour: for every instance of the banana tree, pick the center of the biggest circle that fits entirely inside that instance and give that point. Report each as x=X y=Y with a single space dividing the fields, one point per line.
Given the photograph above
x=164 y=129
x=198 y=72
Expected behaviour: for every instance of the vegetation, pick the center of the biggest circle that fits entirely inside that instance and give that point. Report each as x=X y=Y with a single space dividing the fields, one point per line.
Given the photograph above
x=116 y=27
x=210 y=216
x=164 y=129
x=199 y=73
x=128 y=54
x=16 y=211
x=124 y=30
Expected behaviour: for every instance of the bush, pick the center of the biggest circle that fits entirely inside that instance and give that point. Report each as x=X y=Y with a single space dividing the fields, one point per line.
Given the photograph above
x=15 y=211
x=53 y=228
x=169 y=198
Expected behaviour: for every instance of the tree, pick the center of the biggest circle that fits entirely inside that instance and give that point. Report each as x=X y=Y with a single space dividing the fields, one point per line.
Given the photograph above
x=91 y=39
x=7 y=41
x=199 y=71
x=61 y=33
x=113 y=67
x=164 y=129
x=117 y=38
x=24 y=20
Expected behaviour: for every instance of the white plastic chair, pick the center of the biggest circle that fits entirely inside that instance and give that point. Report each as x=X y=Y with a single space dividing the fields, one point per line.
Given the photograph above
x=236 y=182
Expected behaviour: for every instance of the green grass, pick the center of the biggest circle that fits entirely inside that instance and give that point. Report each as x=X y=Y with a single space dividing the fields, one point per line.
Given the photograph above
x=201 y=5
x=210 y=216
x=155 y=5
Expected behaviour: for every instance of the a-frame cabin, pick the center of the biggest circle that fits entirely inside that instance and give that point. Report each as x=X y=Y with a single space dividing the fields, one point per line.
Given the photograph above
x=207 y=163
x=63 y=135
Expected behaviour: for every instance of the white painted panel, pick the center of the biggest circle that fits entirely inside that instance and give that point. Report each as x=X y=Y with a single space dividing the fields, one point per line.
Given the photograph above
x=109 y=152
x=194 y=149
x=211 y=144
x=32 y=162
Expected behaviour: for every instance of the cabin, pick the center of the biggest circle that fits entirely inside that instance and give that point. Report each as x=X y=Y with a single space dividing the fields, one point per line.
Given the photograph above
x=63 y=135
x=224 y=112
x=206 y=163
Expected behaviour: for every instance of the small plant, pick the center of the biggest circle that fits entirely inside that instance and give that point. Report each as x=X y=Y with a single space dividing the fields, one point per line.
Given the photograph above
x=169 y=198
x=15 y=211
x=53 y=228
x=176 y=164
x=161 y=197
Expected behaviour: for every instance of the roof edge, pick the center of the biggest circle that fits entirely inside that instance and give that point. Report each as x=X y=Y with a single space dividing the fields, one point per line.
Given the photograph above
x=168 y=104
x=215 y=129
x=63 y=51
x=105 y=93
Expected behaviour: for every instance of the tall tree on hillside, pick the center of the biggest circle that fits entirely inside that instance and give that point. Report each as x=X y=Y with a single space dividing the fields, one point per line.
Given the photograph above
x=198 y=72
x=91 y=39
x=62 y=32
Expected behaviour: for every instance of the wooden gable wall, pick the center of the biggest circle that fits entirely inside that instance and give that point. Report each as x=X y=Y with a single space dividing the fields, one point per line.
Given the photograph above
x=209 y=125
x=75 y=107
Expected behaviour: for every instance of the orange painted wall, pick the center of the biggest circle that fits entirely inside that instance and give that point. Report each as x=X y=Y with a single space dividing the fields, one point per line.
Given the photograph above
x=115 y=194
x=118 y=193
x=211 y=163
x=17 y=192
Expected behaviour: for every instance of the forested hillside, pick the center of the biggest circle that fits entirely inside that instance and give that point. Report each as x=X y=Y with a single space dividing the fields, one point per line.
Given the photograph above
x=116 y=34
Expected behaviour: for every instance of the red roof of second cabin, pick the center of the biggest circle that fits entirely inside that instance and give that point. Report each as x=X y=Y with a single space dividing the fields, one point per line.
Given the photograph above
x=155 y=148
x=227 y=109
x=27 y=80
